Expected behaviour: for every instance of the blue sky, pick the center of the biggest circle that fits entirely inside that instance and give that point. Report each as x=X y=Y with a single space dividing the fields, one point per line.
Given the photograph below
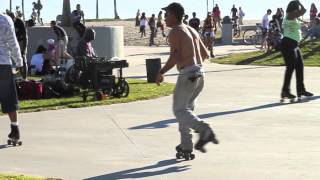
x=254 y=9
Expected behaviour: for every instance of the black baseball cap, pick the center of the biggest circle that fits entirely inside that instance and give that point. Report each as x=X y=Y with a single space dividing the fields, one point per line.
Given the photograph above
x=175 y=8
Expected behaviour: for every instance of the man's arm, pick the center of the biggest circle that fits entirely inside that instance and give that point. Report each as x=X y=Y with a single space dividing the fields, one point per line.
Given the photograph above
x=12 y=41
x=174 y=55
x=203 y=50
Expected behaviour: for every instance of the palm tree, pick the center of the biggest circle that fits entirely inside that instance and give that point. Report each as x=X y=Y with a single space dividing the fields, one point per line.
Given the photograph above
x=97 y=9
x=22 y=6
x=66 y=13
x=116 y=16
x=10 y=5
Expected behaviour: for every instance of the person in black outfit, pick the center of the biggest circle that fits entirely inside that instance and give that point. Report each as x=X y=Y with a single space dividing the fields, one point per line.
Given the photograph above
x=194 y=22
x=153 y=29
x=22 y=37
x=291 y=51
x=234 y=12
x=77 y=15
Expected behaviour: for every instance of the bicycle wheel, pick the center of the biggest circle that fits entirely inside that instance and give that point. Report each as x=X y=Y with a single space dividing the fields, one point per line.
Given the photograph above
x=236 y=31
x=247 y=37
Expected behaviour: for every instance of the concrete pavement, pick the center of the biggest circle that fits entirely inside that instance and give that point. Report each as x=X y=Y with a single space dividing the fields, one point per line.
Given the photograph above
x=260 y=138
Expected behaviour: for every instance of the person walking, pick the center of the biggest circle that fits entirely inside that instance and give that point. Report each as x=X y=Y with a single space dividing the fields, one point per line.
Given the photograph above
x=77 y=15
x=9 y=51
x=153 y=29
x=194 y=22
x=241 y=15
x=187 y=52
x=265 y=28
x=217 y=16
x=313 y=13
x=137 y=18
x=209 y=29
x=291 y=53
x=143 y=23
x=160 y=24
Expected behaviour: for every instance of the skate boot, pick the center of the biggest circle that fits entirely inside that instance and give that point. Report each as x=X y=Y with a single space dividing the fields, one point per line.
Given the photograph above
x=186 y=154
x=211 y=54
x=287 y=95
x=304 y=94
x=206 y=137
x=14 y=136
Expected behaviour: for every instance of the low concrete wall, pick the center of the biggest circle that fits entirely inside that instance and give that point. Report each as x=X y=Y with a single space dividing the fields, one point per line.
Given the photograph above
x=109 y=40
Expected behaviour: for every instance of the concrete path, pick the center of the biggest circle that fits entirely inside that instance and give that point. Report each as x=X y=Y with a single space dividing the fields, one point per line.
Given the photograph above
x=260 y=138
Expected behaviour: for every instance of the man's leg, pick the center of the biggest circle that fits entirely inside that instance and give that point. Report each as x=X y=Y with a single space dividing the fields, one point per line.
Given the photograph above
x=187 y=119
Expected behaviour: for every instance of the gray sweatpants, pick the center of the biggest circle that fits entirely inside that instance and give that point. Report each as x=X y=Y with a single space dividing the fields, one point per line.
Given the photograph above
x=189 y=85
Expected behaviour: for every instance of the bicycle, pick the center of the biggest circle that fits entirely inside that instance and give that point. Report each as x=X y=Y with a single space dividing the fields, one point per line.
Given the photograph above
x=253 y=36
x=236 y=28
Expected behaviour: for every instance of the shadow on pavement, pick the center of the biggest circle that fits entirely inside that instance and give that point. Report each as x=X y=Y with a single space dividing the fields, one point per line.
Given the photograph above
x=167 y=122
x=215 y=71
x=4 y=146
x=134 y=173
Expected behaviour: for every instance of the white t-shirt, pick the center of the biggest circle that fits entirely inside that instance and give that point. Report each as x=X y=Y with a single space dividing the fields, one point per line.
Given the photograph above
x=265 y=22
x=37 y=61
x=143 y=22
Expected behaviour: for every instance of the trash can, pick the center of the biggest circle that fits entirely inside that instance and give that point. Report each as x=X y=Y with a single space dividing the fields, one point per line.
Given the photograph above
x=227 y=31
x=153 y=67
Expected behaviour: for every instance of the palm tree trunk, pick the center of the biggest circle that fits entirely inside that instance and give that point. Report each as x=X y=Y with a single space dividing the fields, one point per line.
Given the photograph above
x=10 y=6
x=97 y=9
x=66 y=13
x=22 y=6
x=116 y=16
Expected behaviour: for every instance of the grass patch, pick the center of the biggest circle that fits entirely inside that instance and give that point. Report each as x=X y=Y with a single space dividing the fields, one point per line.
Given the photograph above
x=22 y=177
x=310 y=51
x=139 y=90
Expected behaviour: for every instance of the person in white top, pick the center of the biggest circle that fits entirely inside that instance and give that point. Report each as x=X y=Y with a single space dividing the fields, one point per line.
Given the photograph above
x=241 y=15
x=265 y=28
x=10 y=56
x=37 y=59
x=143 y=24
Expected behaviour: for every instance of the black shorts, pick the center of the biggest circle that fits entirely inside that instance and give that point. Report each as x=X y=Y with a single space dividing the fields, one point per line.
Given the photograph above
x=8 y=91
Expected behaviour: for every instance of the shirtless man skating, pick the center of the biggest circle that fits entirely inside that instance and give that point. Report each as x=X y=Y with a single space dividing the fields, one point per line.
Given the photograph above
x=187 y=52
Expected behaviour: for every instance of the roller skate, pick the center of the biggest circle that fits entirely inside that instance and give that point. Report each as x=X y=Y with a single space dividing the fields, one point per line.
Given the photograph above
x=186 y=154
x=14 y=136
x=287 y=96
x=305 y=95
x=206 y=137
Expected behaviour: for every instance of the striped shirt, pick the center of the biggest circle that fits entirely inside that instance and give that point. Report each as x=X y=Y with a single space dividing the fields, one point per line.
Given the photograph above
x=9 y=47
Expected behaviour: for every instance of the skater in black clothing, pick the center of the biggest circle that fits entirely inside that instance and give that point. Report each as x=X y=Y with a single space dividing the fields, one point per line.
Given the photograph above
x=187 y=52
x=8 y=93
x=291 y=51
